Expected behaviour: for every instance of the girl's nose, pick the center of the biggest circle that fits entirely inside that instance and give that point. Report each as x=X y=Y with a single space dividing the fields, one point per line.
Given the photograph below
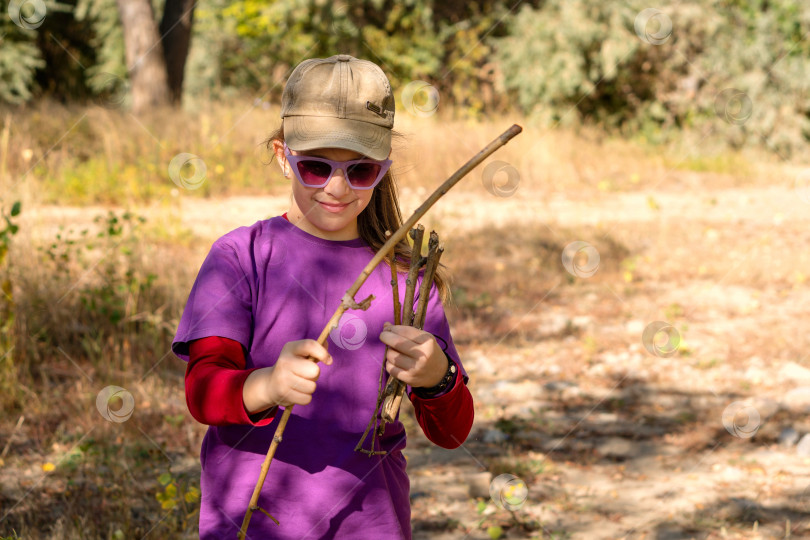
x=338 y=187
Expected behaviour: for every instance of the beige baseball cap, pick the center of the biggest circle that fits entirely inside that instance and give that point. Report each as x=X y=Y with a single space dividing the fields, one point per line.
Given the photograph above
x=338 y=102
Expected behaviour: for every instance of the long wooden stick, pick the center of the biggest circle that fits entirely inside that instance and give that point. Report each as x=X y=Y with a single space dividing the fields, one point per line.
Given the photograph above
x=348 y=302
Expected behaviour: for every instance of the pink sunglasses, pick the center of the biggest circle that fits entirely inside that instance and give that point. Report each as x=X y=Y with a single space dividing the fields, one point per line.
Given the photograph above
x=315 y=172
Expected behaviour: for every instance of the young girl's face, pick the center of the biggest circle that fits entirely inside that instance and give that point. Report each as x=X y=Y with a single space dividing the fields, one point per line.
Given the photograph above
x=331 y=211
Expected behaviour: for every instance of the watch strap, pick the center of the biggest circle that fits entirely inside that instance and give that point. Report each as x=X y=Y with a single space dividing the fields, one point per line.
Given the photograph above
x=447 y=381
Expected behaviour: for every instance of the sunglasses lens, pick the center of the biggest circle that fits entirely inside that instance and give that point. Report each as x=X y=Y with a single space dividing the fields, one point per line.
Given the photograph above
x=313 y=173
x=363 y=174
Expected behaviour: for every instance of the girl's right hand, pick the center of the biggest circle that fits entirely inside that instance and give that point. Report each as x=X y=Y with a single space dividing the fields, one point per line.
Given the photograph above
x=291 y=381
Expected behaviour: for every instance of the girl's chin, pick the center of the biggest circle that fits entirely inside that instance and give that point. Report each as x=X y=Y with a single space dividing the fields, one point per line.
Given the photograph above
x=331 y=222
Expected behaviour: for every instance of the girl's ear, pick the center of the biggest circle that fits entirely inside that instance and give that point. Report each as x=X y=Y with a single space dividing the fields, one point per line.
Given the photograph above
x=278 y=150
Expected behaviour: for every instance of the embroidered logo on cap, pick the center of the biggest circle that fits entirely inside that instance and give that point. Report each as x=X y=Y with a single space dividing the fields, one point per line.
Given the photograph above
x=374 y=108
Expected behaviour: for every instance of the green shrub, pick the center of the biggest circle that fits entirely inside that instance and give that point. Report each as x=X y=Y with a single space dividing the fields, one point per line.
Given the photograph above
x=736 y=71
x=19 y=60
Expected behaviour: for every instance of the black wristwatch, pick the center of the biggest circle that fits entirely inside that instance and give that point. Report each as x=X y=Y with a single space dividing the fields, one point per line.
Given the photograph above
x=448 y=380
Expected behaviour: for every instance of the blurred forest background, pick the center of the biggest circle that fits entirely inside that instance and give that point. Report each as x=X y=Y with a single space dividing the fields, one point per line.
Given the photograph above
x=672 y=138
x=560 y=62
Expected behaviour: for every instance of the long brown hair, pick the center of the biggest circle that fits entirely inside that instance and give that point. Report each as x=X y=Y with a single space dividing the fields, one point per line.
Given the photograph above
x=383 y=214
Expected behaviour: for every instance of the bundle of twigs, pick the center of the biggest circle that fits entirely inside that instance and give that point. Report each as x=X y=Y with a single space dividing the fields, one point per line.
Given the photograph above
x=391 y=397
x=348 y=302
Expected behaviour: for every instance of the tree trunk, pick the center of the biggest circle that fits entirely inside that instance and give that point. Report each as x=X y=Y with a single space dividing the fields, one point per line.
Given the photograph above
x=144 y=52
x=175 y=29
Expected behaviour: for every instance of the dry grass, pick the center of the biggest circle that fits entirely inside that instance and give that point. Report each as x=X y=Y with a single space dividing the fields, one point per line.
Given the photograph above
x=69 y=155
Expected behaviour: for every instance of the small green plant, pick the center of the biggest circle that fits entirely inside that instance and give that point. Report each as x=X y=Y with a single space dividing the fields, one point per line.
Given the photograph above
x=495 y=531
x=174 y=420
x=590 y=346
x=116 y=241
x=683 y=348
x=507 y=425
x=110 y=298
x=629 y=266
x=482 y=508
x=101 y=273
x=487 y=509
x=707 y=364
x=180 y=498
x=8 y=372
x=685 y=417
x=10 y=229
x=526 y=467
x=673 y=311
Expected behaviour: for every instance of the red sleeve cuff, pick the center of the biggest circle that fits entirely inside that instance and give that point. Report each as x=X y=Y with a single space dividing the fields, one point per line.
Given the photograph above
x=215 y=378
x=446 y=420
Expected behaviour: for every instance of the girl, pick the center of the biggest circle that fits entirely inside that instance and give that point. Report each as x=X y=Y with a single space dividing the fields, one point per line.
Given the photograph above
x=262 y=297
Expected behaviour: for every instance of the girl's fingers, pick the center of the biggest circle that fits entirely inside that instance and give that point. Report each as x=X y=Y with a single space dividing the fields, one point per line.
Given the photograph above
x=397 y=372
x=304 y=386
x=310 y=347
x=296 y=398
x=298 y=393
x=403 y=344
x=307 y=370
x=408 y=332
x=401 y=362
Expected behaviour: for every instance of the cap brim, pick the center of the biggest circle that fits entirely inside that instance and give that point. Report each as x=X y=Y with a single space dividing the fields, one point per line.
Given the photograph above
x=303 y=133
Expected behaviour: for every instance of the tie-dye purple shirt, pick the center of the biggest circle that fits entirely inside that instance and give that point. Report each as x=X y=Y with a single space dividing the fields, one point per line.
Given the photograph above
x=266 y=285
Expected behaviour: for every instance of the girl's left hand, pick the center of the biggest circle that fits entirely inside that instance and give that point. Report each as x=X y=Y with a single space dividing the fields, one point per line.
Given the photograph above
x=414 y=357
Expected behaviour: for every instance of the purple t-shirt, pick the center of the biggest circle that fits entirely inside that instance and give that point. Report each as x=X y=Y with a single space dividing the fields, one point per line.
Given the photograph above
x=266 y=285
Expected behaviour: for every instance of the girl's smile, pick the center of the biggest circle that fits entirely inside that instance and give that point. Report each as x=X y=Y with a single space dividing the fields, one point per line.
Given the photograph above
x=334 y=208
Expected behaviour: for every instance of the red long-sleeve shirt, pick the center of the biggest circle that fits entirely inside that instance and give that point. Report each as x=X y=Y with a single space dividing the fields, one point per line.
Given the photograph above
x=216 y=373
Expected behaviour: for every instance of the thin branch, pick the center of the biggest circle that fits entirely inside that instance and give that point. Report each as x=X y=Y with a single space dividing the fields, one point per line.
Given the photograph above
x=11 y=437
x=372 y=423
x=434 y=254
x=395 y=388
x=417 y=261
